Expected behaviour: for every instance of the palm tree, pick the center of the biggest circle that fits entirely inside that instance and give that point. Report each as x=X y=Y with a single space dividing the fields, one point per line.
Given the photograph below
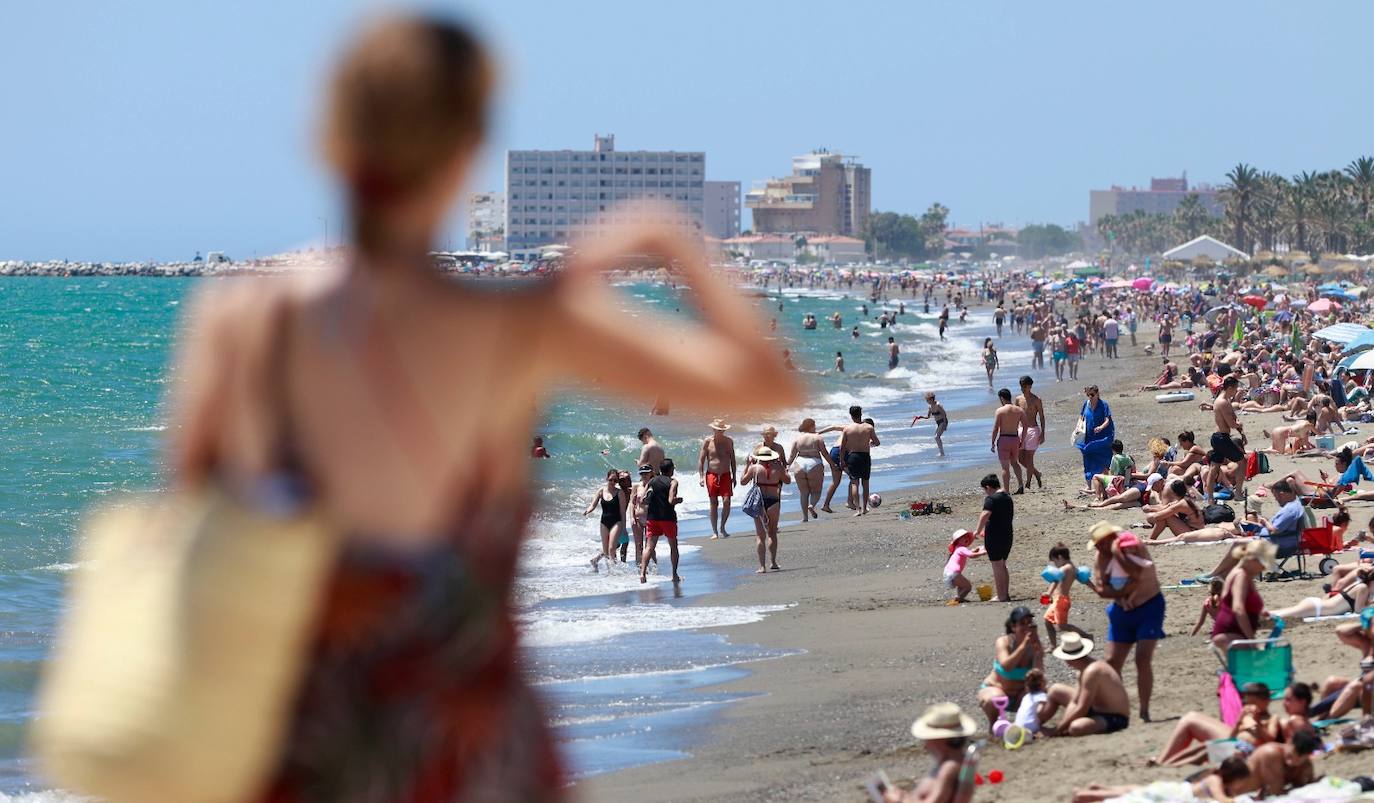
x=1334 y=211
x=1266 y=207
x=1190 y=217
x=1298 y=199
x=1361 y=172
x=1240 y=197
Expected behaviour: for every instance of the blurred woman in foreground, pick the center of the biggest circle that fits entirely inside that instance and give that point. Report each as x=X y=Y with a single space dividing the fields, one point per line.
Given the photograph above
x=400 y=403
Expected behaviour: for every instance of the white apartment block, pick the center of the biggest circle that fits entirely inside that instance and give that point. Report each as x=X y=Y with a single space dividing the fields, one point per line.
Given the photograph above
x=723 y=208
x=486 y=217
x=557 y=197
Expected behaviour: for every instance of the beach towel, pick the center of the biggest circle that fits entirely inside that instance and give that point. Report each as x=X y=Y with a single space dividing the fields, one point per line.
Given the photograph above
x=1228 y=697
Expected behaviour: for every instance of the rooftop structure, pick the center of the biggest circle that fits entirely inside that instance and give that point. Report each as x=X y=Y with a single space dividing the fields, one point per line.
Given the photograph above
x=827 y=193
x=1162 y=198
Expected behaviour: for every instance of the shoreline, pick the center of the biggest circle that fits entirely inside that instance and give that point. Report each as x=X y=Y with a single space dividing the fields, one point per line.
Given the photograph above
x=874 y=642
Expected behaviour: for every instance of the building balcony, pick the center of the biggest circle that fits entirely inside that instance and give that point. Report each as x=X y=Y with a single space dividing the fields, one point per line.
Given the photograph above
x=780 y=201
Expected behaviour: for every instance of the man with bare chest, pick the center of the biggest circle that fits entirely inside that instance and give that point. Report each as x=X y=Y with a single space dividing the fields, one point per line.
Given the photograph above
x=716 y=466
x=856 y=439
x=1034 y=408
x=1008 y=438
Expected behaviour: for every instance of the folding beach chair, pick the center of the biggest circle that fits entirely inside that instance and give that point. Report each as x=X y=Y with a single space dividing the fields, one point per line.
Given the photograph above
x=1267 y=661
x=1289 y=549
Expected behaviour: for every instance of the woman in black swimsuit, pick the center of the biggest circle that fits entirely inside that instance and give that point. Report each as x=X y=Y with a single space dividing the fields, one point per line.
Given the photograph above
x=613 y=503
x=769 y=474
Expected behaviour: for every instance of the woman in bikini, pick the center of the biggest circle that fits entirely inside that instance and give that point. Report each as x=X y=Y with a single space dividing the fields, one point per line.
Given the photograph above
x=768 y=473
x=810 y=457
x=1137 y=494
x=989 y=359
x=1188 y=743
x=1015 y=653
x=937 y=414
x=1176 y=511
x=613 y=504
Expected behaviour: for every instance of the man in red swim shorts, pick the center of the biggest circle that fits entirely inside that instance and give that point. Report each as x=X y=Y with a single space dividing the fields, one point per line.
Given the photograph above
x=716 y=465
x=661 y=503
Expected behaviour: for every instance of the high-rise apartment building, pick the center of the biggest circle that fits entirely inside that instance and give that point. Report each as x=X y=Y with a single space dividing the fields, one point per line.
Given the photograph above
x=827 y=193
x=1162 y=198
x=486 y=216
x=721 y=209
x=561 y=196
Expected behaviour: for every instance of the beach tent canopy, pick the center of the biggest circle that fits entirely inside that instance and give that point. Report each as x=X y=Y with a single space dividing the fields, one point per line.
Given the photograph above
x=1205 y=247
x=1341 y=332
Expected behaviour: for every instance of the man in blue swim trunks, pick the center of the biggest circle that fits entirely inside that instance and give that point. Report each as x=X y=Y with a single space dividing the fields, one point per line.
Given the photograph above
x=1098 y=704
x=1135 y=617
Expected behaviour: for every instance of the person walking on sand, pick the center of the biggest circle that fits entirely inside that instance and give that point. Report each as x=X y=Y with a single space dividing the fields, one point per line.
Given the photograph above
x=810 y=457
x=716 y=467
x=1008 y=437
x=1034 y=407
x=650 y=453
x=989 y=359
x=995 y=528
x=768 y=473
x=1037 y=338
x=1059 y=353
x=1224 y=447
x=892 y=353
x=937 y=414
x=661 y=517
x=856 y=439
x=319 y=394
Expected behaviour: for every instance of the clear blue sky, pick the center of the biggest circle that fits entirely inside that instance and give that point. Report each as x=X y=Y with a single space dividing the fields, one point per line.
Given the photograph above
x=138 y=130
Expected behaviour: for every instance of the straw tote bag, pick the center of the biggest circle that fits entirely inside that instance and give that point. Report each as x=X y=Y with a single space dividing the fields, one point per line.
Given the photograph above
x=182 y=646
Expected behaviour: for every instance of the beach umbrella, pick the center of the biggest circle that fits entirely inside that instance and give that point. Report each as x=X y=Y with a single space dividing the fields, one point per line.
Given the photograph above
x=1323 y=305
x=1143 y=283
x=1362 y=362
x=1360 y=343
x=1255 y=301
x=1283 y=316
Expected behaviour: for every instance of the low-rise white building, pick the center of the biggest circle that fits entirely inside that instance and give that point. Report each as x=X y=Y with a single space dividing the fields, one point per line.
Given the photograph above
x=836 y=248
x=761 y=246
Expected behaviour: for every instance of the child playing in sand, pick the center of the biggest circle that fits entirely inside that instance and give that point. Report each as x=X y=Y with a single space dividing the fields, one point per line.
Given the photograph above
x=1209 y=605
x=1028 y=713
x=1061 y=574
x=959 y=554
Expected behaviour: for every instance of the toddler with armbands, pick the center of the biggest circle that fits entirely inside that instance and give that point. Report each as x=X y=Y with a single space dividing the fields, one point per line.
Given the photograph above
x=1060 y=573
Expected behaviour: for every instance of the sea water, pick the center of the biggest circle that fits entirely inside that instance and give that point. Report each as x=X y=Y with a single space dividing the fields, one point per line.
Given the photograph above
x=83 y=378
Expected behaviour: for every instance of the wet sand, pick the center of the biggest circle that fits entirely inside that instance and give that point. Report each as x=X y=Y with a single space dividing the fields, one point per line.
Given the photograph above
x=879 y=644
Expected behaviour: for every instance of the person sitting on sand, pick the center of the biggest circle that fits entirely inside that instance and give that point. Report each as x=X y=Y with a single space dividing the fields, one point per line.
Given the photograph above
x=1189 y=459
x=944 y=730
x=1015 y=653
x=1342 y=694
x=1299 y=434
x=1098 y=704
x=1296 y=716
x=1119 y=470
x=1275 y=768
x=1175 y=512
x=1352 y=469
x=1188 y=743
x=1222 y=784
x=1135 y=495
x=1209 y=605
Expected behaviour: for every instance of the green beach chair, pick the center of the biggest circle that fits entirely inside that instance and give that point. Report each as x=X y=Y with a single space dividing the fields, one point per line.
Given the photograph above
x=1267 y=661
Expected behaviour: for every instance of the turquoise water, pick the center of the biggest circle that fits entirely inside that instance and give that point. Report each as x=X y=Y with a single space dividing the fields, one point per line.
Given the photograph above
x=82 y=379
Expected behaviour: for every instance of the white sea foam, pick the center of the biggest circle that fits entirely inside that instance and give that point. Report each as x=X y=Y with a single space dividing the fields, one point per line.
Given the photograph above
x=45 y=796
x=554 y=563
x=61 y=568
x=559 y=626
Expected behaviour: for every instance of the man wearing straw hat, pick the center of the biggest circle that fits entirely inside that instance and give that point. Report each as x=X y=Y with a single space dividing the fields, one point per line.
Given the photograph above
x=945 y=730
x=1098 y=704
x=716 y=466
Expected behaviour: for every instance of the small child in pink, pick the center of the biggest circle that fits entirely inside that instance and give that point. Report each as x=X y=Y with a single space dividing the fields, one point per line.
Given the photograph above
x=959 y=554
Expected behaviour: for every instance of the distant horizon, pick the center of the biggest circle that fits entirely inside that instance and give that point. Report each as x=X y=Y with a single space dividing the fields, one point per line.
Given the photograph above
x=161 y=129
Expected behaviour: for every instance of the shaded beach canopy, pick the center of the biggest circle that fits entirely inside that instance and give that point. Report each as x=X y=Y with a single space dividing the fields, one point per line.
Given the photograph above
x=1341 y=332
x=1207 y=247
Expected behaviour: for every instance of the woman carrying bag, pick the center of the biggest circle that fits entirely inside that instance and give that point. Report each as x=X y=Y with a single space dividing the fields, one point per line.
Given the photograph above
x=379 y=414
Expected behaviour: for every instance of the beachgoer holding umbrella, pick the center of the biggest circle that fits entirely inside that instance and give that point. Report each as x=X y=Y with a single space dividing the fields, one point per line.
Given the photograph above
x=1124 y=574
x=1015 y=653
x=1099 y=430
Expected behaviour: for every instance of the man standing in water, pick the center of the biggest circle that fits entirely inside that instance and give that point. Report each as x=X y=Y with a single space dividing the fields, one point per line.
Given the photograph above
x=1224 y=449
x=944 y=321
x=1008 y=436
x=892 y=352
x=651 y=453
x=855 y=441
x=716 y=466
x=661 y=517
x=1034 y=408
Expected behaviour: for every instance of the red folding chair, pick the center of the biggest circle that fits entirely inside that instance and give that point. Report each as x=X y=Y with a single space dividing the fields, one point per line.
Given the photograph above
x=1319 y=541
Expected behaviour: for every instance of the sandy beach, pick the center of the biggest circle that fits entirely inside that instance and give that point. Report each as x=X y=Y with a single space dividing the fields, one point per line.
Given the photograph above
x=876 y=643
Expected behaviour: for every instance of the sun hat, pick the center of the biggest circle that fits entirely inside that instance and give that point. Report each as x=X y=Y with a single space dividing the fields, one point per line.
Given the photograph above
x=955 y=537
x=1101 y=531
x=1154 y=478
x=943 y=721
x=763 y=454
x=718 y=424
x=1072 y=647
x=1258 y=549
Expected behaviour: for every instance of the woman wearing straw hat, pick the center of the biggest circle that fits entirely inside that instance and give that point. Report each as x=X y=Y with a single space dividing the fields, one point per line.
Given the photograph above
x=944 y=730
x=768 y=473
